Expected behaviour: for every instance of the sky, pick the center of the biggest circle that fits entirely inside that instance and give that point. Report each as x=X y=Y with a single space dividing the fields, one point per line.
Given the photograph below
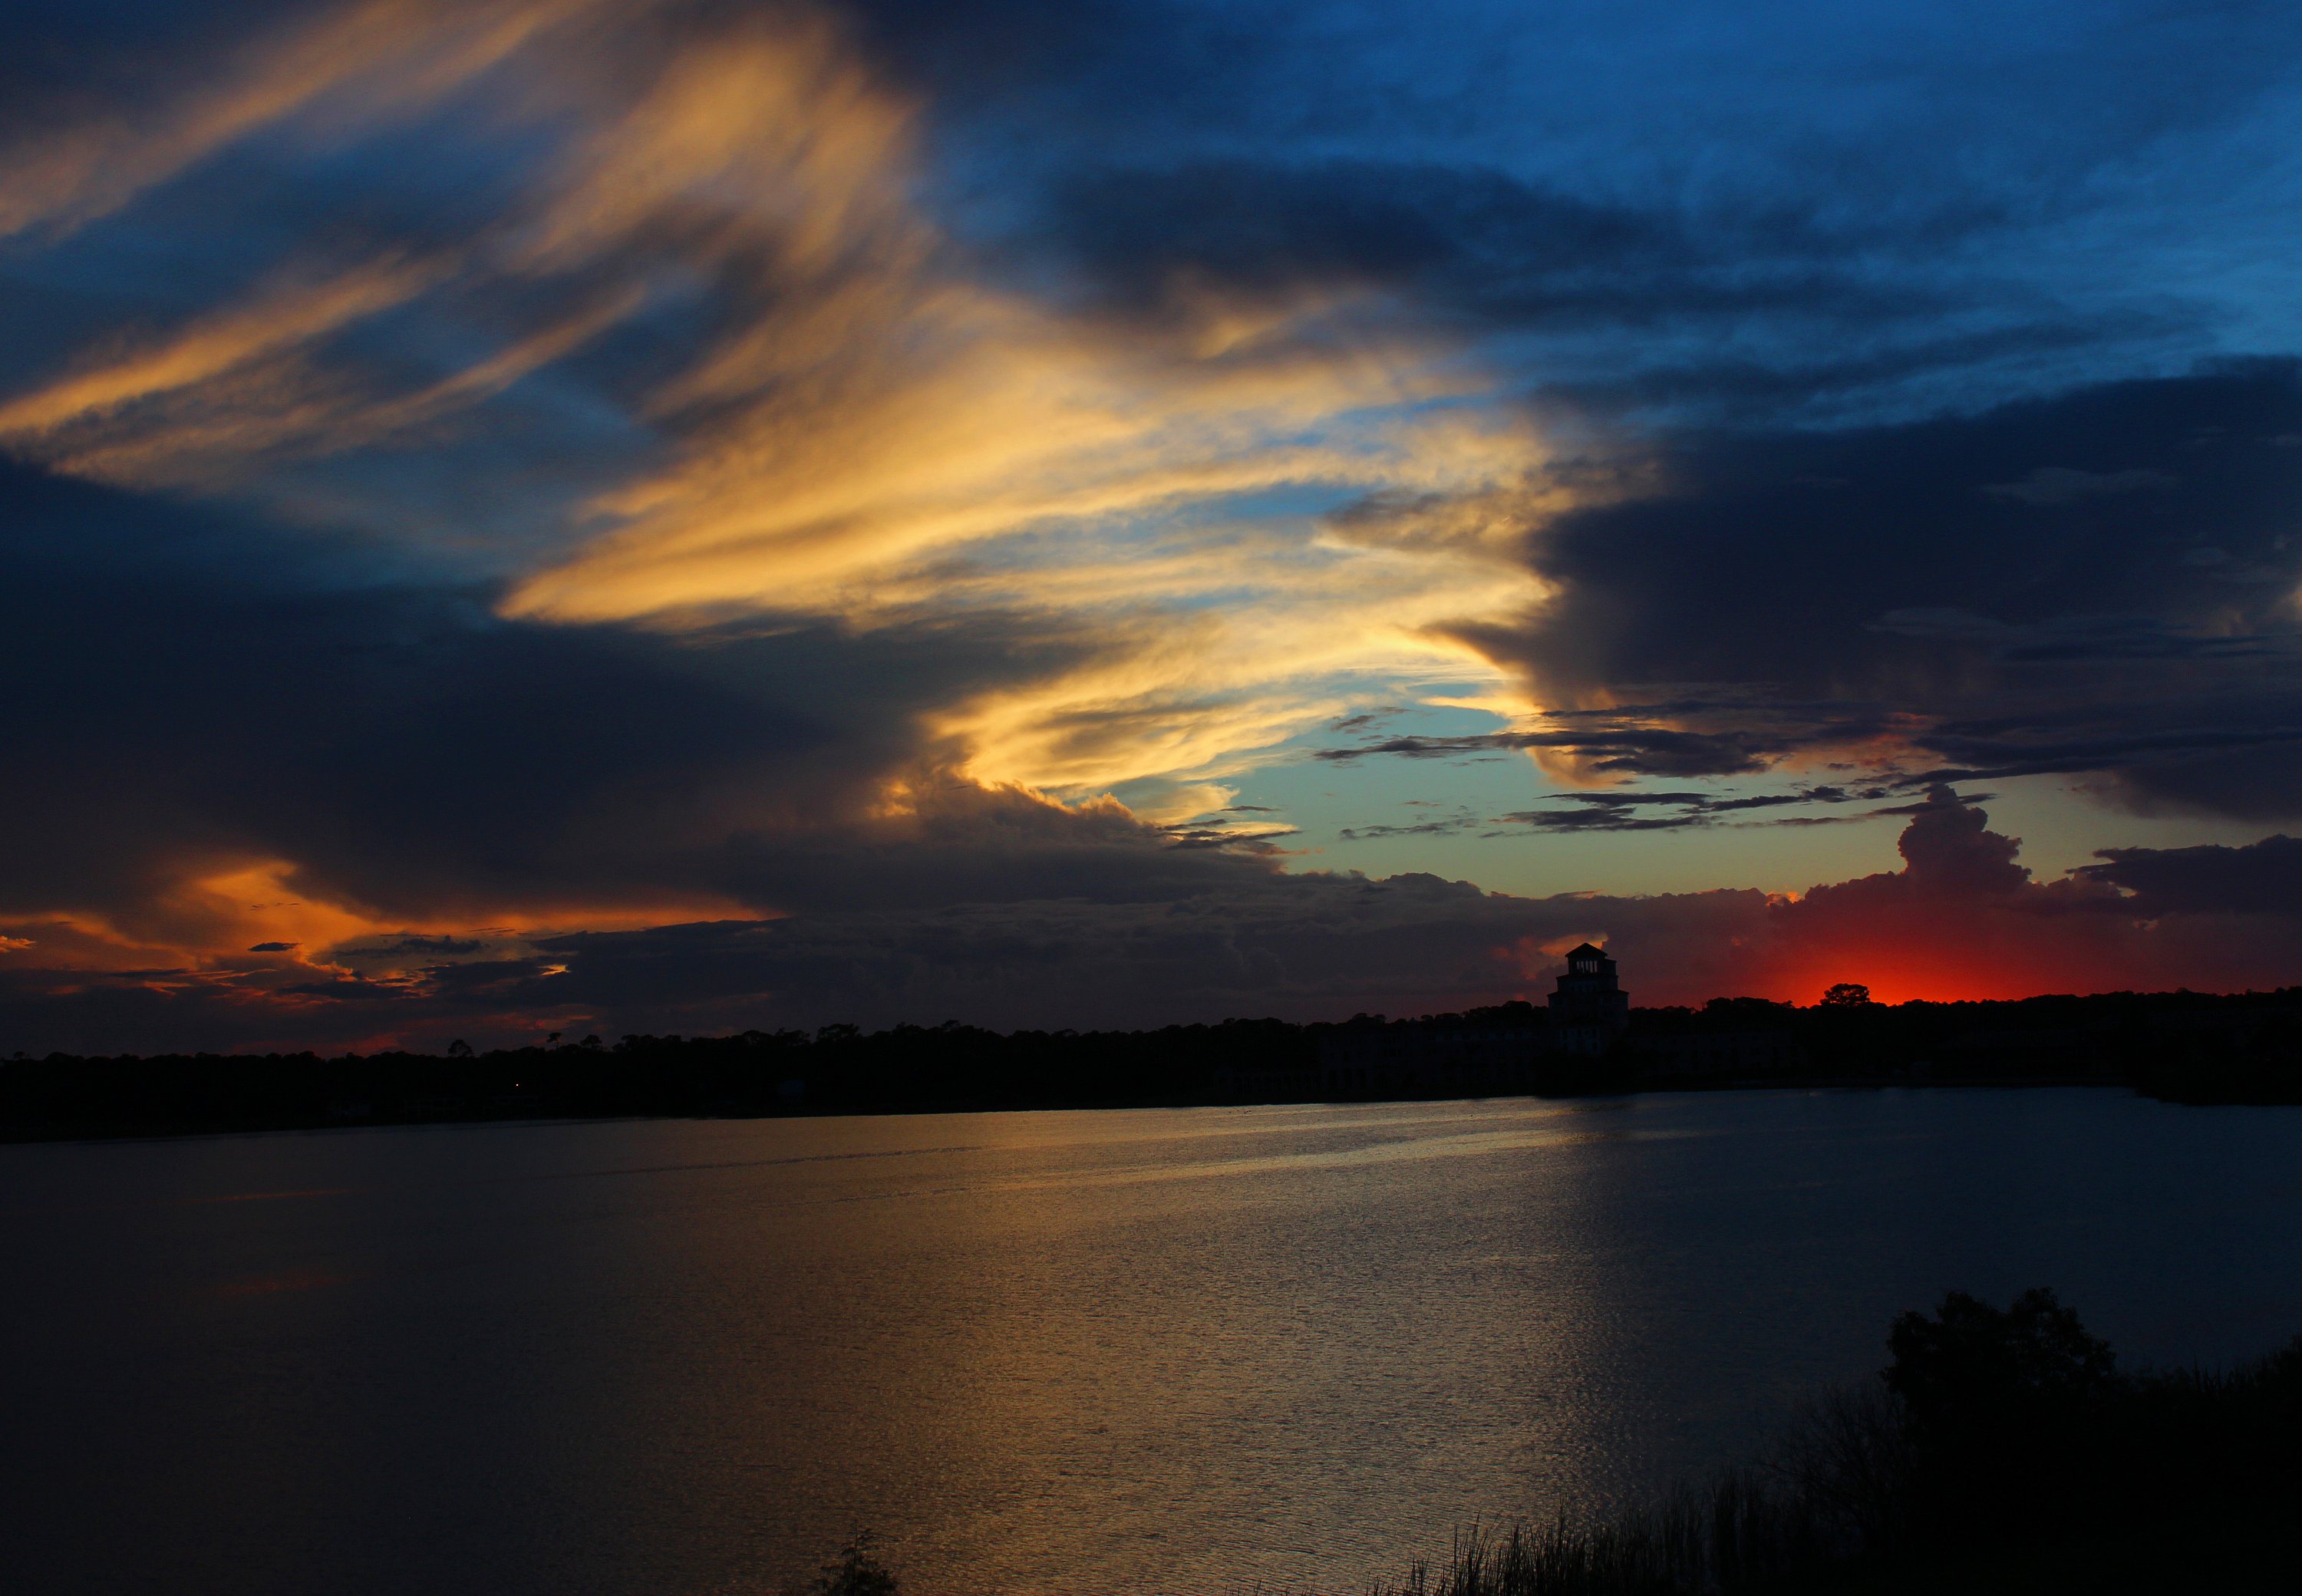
x=528 y=515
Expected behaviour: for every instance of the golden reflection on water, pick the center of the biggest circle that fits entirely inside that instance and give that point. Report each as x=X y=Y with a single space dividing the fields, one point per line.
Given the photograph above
x=1152 y=1350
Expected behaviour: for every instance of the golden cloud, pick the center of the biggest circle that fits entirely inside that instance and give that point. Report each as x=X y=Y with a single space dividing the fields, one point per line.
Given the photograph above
x=874 y=429
x=385 y=57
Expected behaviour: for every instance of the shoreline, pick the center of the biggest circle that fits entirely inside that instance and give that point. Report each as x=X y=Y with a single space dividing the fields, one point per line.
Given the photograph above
x=2178 y=1047
x=126 y=1131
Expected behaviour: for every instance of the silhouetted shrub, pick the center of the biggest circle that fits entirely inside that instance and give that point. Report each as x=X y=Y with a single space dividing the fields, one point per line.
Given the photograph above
x=2000 y=1405
x=855 y=1572
x=2000 y=1451
x=1974 y=1365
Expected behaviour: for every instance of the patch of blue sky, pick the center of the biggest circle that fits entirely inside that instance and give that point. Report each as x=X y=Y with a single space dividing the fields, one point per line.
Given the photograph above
x=145 y=261
x=480 y=497
x=459 y=168
x=1445 y=817
x=1296 y=501
x=2061 y=823
x=1625 y=95
x=2123 y=180
x=1381 y=815
x=1277 y=526
x=1628 y=98
x=174 y=253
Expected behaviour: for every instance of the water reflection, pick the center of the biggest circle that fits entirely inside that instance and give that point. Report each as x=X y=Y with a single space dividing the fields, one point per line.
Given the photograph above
x=1039 y=1352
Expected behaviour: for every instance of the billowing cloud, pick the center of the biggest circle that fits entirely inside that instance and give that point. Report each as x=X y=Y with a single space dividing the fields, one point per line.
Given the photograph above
x=1961 y=918
x=1013 y=912
x=1880 y=600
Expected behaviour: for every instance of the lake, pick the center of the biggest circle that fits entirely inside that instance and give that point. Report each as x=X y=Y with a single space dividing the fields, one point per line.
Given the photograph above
x=1147 y=1351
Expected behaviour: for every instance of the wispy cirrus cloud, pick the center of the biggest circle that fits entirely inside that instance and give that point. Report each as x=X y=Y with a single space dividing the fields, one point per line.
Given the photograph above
x=834 y=415
x=1645 y=810
x=1639 y=808
x=1670 y=738
x=352 y=64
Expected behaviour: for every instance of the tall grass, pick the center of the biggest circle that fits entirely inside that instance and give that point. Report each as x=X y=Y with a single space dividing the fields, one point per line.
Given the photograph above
x=1995 y=1438
x=1831 y=1494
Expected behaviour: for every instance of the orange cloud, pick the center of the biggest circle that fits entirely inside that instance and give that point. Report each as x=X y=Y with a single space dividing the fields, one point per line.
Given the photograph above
x=874 y=432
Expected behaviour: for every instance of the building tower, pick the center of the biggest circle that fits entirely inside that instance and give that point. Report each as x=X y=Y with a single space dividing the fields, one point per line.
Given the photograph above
x=1590 y=1010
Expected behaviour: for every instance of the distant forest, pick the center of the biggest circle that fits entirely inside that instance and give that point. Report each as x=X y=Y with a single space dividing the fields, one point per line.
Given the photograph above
x=2183 y=1046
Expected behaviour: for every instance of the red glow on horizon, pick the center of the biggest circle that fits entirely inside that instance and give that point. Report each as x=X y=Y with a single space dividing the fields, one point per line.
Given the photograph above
x=1915 y=975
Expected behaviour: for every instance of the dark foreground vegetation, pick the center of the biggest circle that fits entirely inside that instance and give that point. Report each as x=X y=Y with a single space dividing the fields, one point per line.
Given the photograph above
x=2183 y=1046
x=2000 y=1452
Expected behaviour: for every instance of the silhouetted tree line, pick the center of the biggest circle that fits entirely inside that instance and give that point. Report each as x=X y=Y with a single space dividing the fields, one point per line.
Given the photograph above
x=2185 y=1046
x=838 y=1068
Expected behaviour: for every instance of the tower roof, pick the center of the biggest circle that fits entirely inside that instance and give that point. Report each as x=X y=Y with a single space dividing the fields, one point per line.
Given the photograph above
x=1586 y=952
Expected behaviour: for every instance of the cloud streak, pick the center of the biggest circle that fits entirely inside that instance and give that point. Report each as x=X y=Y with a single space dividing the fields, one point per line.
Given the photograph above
x=837 y=415
x=359 y=61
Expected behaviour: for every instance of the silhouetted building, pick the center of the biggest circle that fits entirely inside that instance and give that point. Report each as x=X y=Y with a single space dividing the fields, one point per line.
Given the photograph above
x=1590 y=1010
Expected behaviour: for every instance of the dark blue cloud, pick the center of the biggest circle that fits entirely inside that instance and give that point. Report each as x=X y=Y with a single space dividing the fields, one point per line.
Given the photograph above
x=61 y=56
x=2263 y=877
x=206 y=689
x=1882 y=207
x=2101 y=582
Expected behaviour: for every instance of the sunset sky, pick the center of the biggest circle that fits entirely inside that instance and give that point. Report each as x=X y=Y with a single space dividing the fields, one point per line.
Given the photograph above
x=631 y=515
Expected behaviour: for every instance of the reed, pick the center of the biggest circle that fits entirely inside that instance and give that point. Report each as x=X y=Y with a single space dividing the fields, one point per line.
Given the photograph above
x=2000 y=1452
x=1828 y=1501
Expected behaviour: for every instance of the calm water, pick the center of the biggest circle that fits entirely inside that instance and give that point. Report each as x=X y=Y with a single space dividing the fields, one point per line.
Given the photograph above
x=1041 y=1352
